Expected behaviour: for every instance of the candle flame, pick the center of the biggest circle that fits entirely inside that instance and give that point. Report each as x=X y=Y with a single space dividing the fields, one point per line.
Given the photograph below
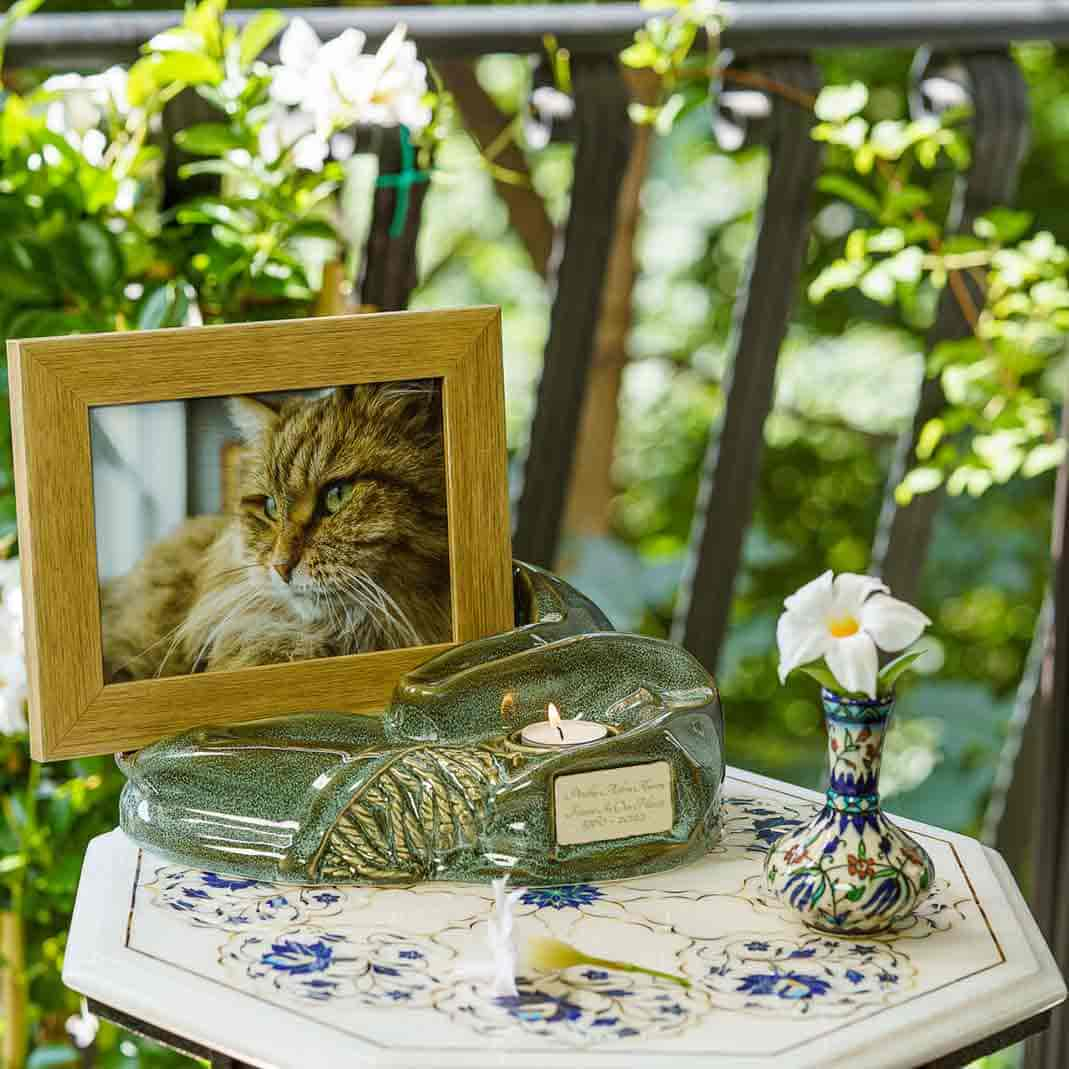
x=554 y=715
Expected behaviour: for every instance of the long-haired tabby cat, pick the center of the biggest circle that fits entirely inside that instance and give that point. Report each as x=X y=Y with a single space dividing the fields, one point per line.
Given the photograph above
x=339 y=545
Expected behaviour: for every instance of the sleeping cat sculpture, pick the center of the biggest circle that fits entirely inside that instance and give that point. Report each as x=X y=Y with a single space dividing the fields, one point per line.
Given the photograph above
x=441 y=787
x=339 y=545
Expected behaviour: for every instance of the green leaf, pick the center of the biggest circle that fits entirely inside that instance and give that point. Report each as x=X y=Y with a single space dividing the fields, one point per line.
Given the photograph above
x=258 y=34
x=838 y=185
x=100 y=255
x=819 y=671
x=45 y=323
x=904 y=201
x=18 y=11
x=1044 y=457
x=15 y=122
x=640 y=55
x=879 y=284
x=893 y=671
x=210 y=139
x=931 y=435
x=1002 y=224
x=18 y=285
x=921 y=480
x=205 y=20
x=855 y=893
x=314 y=228
x=220 y=167
x=170 y=71
x=164 y=306
x=840 y=275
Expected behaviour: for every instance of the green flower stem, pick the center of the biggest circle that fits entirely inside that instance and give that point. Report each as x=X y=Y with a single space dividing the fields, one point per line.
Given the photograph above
x=624 y=966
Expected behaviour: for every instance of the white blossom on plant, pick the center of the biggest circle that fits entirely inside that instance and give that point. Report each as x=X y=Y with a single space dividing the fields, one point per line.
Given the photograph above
x=845 y=619
x=292 y=130
x=339 y=85
x=12 y=652
x=77 y=106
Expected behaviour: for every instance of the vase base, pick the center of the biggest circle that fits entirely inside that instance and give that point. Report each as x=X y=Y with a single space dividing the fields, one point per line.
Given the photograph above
x=851 y=933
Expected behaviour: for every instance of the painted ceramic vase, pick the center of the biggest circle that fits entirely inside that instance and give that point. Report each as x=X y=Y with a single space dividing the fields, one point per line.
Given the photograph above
x=851 y=871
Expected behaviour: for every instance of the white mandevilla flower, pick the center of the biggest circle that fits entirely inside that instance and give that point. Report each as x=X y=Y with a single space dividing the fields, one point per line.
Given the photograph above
x=844 y=620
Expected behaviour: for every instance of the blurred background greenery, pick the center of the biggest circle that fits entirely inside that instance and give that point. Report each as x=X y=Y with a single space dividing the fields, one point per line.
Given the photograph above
x=847 y=386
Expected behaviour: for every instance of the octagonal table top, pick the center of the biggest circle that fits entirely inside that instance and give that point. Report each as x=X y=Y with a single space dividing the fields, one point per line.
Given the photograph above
x=289 y=977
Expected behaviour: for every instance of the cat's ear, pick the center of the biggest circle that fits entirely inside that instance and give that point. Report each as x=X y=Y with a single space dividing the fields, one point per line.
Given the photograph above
x=251 y=416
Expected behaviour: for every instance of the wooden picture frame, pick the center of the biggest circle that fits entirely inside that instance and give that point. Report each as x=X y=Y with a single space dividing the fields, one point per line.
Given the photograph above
x=55 y=381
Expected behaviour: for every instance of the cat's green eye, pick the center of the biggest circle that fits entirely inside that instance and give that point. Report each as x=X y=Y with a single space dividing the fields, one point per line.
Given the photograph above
x=336 y=496
x=270 y=508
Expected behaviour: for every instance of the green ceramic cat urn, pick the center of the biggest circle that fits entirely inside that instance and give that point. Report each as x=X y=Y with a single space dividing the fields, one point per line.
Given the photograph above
x=557 y=752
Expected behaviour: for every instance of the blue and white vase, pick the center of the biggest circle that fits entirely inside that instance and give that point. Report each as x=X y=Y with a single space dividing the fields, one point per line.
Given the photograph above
x=850 y=871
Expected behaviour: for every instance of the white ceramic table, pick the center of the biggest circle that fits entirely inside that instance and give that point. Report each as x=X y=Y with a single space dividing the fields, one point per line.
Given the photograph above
x=293 y=978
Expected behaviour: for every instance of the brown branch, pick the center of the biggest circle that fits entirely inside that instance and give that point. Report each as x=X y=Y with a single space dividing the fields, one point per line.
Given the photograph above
x=769 y=85
x=965 y=301
x=484 y=121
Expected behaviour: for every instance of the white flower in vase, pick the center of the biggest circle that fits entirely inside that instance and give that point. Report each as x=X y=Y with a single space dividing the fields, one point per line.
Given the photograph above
x=843 y=621
x=869 y=874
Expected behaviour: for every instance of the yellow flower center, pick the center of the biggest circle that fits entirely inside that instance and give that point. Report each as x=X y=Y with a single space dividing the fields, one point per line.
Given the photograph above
x=843 y=627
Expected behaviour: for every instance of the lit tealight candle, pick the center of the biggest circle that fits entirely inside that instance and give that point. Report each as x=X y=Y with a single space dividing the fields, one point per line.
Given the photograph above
x=558 y=732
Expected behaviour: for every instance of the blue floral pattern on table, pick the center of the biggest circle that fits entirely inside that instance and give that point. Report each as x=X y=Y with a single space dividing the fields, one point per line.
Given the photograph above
x=574 y=895
x=318 y=965
x=584 y=1007
x=310 y=946
x=809 y=974
x=233 y=904
x=752 y=825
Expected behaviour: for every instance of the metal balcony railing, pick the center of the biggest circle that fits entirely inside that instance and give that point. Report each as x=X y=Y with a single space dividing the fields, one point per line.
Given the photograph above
x=774 y=38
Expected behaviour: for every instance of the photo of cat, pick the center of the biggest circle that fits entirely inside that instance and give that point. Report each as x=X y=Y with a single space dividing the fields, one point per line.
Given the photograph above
x=334 y=541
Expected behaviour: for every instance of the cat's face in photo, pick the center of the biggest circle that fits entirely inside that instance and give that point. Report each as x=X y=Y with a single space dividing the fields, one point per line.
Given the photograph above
x=343 y=496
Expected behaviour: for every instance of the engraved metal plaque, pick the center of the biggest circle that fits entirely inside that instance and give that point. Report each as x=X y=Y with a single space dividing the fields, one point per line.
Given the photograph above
x=613 y=803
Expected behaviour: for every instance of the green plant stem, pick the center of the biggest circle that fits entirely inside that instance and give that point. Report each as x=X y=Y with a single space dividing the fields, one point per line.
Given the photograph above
x=623 y=966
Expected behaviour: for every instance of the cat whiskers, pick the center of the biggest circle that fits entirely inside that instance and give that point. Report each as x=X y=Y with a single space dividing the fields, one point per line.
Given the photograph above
x=251 y=596
x=391 y=618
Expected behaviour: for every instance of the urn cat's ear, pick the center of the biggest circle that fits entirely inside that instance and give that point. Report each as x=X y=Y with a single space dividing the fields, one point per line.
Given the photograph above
x=251 y=416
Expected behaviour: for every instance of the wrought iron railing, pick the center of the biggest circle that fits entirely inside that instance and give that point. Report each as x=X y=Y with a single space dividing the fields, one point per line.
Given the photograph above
x=774 y=39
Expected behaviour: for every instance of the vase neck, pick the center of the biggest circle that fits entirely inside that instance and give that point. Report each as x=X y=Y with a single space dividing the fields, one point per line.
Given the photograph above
x=856 y=730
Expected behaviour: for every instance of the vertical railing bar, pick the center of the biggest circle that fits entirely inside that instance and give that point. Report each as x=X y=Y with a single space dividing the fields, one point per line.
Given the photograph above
x=1009 y=815
x=603 y=136
x=732 y=463
x=388 y=272
x=1050 y=890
